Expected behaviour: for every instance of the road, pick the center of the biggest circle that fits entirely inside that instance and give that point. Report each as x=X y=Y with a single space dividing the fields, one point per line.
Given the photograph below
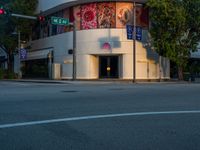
x=99 y=116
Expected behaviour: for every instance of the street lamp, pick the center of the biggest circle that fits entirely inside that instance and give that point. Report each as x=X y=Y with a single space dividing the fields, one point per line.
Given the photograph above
x=134 y=23
x=134 y=42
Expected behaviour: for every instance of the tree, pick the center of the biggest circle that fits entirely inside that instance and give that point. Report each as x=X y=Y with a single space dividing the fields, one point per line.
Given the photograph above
x=175 y=29
x=9 y=24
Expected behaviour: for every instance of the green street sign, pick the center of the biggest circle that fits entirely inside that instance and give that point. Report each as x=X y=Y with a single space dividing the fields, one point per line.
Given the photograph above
x=59 y=21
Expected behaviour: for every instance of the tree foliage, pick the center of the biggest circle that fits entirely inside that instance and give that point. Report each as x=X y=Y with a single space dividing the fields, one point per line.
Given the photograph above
x=9 y=24
x=24 y=7
x=175 y=28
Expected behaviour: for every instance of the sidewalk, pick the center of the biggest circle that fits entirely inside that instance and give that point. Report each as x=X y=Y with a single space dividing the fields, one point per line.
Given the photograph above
x=98 y=81
x=66 y=81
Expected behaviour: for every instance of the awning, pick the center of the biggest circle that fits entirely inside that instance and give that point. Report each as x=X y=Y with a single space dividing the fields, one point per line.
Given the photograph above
x=39 y=54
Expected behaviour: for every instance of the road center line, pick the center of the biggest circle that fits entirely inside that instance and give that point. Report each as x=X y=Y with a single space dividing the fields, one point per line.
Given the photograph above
x=12 y=125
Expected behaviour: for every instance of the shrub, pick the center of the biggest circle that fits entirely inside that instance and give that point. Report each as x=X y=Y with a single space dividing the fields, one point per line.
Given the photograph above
x=1 y=73
x=186 y=76
x=11 y=75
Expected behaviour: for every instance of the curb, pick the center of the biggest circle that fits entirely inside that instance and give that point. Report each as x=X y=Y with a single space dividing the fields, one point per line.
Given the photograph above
x=97 y=81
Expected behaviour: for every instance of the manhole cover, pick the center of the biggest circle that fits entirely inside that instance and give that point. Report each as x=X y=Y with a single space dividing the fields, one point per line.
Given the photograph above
x=70 y=91
x=117 y=89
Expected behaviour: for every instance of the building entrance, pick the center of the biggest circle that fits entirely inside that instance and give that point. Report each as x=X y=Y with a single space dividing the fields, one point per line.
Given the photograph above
x=108 y=66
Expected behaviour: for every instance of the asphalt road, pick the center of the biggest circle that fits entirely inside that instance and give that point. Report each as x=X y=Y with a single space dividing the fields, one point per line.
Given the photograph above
x=99 y=116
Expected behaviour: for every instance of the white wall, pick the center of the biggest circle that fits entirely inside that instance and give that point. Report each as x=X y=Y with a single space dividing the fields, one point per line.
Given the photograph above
x=48 y=4
x=89 y=47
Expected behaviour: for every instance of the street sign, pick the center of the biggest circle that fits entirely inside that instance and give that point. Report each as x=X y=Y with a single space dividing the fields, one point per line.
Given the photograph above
x=130 y=29
x=139 y=33
x=59 y=21
x=23 y=53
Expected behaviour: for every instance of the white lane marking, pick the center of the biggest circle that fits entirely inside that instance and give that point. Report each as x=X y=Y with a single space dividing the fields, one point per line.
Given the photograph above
x=12 y=125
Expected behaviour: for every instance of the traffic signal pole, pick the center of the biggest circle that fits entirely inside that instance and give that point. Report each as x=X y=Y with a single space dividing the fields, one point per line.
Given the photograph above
x=24 y=16
x=74 y=38
x=19 y=34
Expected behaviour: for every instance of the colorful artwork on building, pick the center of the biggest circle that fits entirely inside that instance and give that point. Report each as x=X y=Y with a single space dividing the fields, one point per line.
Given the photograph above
x=124 y=14
x=142 y=17
x=89 y=16
x=106 y=15
x=77 y=16
x=66 y=15
x=95 y=15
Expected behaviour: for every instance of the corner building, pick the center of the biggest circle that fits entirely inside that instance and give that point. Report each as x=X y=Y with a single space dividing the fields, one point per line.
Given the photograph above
x=102 y=47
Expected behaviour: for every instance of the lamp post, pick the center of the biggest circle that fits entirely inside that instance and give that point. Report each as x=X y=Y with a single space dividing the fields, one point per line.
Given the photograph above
x=134 y=42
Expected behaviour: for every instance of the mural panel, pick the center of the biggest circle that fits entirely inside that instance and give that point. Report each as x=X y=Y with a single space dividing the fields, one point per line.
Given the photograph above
x=77 y=16
x=142 y=17
x=106 y=15
x=124 y=14
x=66 y=15
x=89 y=16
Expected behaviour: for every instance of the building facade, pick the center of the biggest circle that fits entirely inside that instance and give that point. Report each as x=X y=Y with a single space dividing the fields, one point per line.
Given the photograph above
x=102 y=47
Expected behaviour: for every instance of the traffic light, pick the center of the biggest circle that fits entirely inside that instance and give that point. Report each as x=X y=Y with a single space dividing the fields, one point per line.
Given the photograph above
x=41 y=18
x=2 y=11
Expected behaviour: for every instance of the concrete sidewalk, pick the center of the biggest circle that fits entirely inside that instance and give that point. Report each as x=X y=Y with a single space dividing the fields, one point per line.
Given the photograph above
x=66 y=81
x=100 y=81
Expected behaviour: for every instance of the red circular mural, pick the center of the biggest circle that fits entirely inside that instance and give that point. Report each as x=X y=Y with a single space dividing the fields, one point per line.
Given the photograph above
x=89 y=16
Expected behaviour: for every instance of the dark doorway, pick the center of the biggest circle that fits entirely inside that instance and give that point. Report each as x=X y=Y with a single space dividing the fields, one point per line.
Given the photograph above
x=37 y=68
x=108 y=66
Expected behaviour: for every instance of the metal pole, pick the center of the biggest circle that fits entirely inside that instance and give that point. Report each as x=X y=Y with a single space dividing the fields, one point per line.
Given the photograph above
x=134 y=42
x=74 y=50
x=50 y=64
x=19 y=47
x=19 y=42
x=160 y=68
x=24 y=16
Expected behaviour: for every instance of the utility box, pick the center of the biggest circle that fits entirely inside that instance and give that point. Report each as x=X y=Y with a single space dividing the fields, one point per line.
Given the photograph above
x=56 y=71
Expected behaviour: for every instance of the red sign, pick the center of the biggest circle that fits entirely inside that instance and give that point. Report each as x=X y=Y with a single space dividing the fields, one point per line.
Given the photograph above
x=106 y=46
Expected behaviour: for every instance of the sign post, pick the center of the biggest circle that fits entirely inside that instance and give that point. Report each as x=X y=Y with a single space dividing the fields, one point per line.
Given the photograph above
x=65 y=22
x=134 y=42
x=134 y=33
x=74 y=51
